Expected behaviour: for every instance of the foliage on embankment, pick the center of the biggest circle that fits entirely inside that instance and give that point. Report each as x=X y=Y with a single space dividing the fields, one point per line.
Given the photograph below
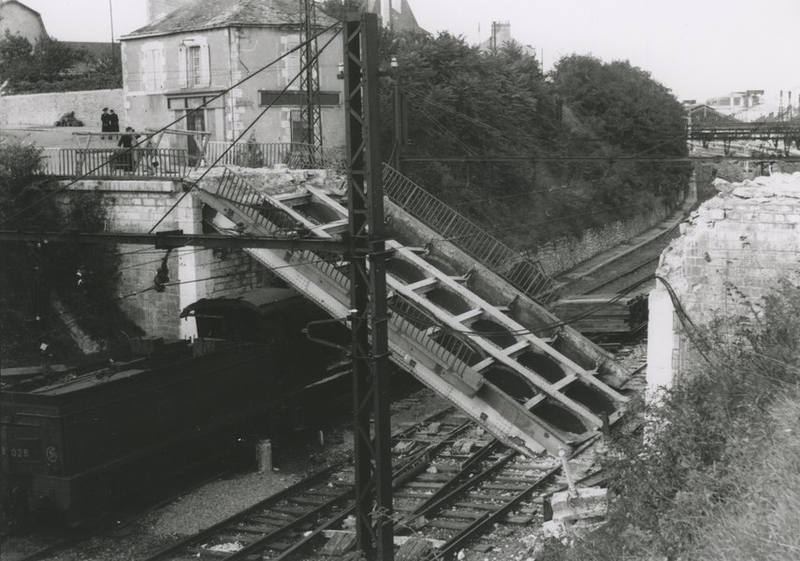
x=716 y=477
x=82 y=277
x=549 y=155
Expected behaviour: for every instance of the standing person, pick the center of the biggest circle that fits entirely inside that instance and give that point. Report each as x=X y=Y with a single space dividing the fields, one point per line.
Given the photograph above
x=113 y=121
x=126 y=143
x=105 y=122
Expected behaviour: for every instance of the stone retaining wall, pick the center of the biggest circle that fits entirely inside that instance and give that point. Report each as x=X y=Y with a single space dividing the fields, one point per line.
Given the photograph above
x=562 y=254
x=45 y=109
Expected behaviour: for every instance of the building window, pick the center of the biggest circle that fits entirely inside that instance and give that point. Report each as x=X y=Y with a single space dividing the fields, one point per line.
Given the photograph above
x=195 y=71
x=295 y=99
x=194 y=67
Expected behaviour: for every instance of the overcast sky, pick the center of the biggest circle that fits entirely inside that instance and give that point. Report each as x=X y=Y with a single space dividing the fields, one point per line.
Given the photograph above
x=697 y=48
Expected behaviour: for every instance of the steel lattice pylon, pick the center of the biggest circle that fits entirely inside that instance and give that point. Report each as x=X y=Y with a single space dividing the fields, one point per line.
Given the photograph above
x=370 y=320
x=310 y=113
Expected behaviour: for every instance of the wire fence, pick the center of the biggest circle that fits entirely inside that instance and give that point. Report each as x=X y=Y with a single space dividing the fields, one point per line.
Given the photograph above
x=523 y=273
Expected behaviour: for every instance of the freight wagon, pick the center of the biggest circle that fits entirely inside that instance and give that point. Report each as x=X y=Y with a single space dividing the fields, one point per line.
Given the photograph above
x=76 y=440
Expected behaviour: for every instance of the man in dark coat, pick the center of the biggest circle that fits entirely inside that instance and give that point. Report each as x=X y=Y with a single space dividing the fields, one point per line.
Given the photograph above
x=113 y=121
x=125 y=159
x=105 y=121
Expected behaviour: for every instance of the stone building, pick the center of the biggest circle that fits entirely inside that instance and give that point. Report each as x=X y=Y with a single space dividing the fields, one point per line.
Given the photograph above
x=189 y=56
x=732 y=252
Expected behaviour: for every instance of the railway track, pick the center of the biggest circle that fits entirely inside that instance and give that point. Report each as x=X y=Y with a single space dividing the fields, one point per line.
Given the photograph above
x=284 y=522
x=452 y=482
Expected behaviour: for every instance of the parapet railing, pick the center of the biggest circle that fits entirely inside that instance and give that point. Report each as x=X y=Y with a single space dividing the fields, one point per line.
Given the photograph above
x=292 y=154
x=524 y=274
x=115 y=163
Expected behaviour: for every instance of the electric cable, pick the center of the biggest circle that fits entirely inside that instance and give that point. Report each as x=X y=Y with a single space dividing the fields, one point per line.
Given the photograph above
x=162 y=129
x=245 y=131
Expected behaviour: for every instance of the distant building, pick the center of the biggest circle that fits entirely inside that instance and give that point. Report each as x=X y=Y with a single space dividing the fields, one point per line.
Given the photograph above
x=19 y=19
x=737 y=104
x=200 y=51
x=501 y=35
x=700 y=114
x=395 y=14
x=755 y=105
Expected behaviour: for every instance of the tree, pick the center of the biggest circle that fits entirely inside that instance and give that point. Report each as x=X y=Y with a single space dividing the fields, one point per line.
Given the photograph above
x=48 y=66
x=16 y=58
x=33 y=273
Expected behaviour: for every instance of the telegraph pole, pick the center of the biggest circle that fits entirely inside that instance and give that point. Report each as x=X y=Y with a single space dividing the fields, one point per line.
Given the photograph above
x=370 y=320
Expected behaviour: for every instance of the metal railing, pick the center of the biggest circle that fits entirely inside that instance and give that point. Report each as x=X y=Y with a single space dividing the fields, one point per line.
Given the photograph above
x=294 y=155
x=524 y=274
x=115 y=163
x=451 y=349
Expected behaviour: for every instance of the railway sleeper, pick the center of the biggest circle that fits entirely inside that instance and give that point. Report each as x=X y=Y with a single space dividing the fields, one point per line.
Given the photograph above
x=261 y=530
x=424 y=484
x=434 y=477
x=460 y=514
x=409 y=494
x=447 y=525
x=309 y=500
x=328 y=492
x=295 y=511
x=487 y=496
x=200 y=553
x=271 y=517
x=505 y=486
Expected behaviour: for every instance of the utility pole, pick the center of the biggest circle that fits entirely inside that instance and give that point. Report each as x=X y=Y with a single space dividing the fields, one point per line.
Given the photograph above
x=111 y=19
x=310 y=112
x=397 y=151
x=370 y=321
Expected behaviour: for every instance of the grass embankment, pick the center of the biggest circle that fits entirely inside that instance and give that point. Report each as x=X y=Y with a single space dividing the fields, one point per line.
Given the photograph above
x=720 y=477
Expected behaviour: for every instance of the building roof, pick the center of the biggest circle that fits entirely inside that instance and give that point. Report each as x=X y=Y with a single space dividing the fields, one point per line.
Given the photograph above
x=6 y=27
x=219 y=14
x=2 y=2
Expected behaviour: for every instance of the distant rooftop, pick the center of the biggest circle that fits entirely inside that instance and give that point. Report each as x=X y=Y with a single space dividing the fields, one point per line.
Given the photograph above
x=219 y=14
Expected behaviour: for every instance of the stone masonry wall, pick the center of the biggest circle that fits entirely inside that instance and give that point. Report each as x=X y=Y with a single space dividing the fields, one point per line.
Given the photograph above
x=136 y=207
x=562 y=254
x=731 y=253
x=45 y=109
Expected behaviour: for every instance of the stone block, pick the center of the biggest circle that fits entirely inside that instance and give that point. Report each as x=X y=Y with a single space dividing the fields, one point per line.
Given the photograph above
x=590 y=502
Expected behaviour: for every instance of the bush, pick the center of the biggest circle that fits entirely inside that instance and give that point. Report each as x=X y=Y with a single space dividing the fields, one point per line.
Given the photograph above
x=721 y=445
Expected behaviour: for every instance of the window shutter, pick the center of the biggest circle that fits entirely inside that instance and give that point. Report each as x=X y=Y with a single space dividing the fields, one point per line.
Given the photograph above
x=147 y=70
x=183 y=79
x=205 y=66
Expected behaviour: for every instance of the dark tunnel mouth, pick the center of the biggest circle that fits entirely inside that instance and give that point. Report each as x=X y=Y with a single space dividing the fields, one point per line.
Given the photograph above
x=558 y=416
x=543 y=365
x=494 y=332
x=511 y=382
x=448 y=300
x=591 y=398
x=405 y=271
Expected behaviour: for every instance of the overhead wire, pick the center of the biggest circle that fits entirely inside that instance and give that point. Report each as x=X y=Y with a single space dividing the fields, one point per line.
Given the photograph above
x=146 y=138
x=243 y=133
